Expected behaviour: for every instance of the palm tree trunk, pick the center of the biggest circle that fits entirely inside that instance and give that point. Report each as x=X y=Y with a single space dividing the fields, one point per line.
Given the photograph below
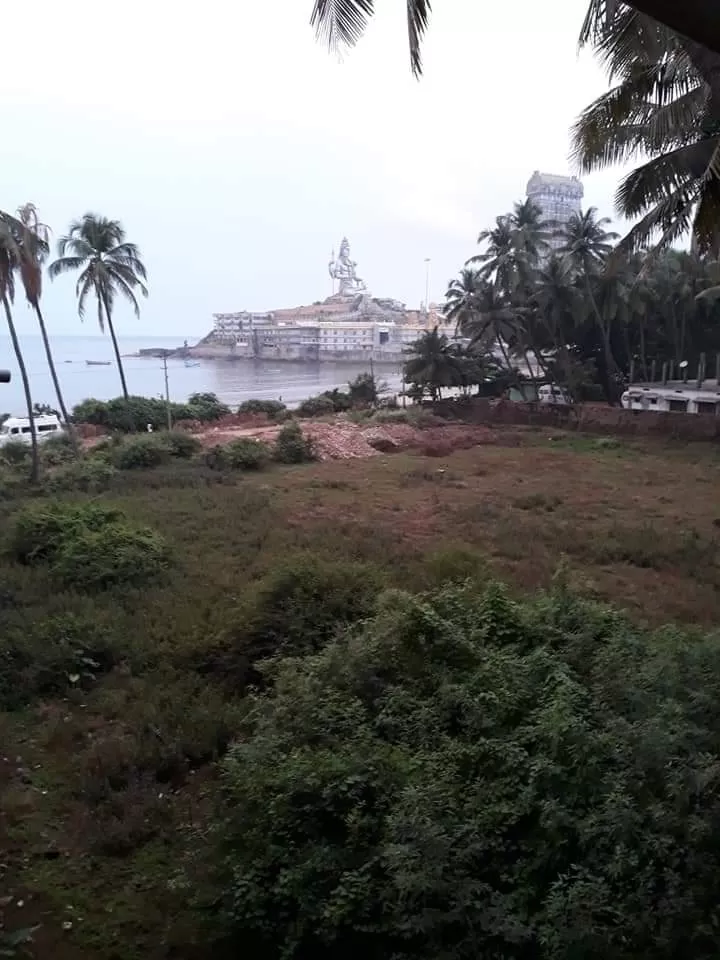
x=35 y=465
x=56 y=382
x=643 y=354
x=605 y=329
x=509 y=366
x=111 y=328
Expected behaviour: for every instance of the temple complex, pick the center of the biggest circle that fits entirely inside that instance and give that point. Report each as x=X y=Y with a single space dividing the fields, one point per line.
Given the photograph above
x=350 y=325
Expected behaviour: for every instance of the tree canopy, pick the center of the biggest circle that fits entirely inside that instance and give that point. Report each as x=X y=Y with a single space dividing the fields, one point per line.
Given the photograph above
x=466 y=776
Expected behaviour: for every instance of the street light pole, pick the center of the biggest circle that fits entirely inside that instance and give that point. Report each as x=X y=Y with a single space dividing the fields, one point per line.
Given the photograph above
x=427 y=285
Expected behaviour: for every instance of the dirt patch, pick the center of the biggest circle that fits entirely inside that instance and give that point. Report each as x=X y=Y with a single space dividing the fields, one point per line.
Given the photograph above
x=343 y=440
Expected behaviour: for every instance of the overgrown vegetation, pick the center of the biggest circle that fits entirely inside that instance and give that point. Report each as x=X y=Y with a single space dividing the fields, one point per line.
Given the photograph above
x=244 y=453
x=87 y=546
x=469 y=776
x=122 y=687
x=133 y=414
x=291 y=446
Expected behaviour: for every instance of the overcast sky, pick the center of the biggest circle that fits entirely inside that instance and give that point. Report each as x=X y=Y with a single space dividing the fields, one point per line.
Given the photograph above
x=237 y=152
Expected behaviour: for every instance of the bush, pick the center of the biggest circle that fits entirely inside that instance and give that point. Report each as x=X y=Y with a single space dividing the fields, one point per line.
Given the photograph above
x=274 y=409
x=242 y=454
x=148 y=450
x=295 y=609
x=180 y=444
x=50 y=657
x=291 y=446
x=340 y=400
x=363 y=390
x=15 y=453
x=115 y=554
x=206 y=407
x=463 y=776
x=91 y=475
x=132 y=415
x=41 y=529
x=319 y=406
x=58 y=449
x=88 y=545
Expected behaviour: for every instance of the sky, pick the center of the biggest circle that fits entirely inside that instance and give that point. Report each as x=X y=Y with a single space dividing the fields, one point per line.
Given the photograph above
x=237 y=151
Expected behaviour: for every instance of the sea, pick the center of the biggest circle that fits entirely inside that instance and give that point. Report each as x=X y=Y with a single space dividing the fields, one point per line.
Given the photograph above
x=234 y=381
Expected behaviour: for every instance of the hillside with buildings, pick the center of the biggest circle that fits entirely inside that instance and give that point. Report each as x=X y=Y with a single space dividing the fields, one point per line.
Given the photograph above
x=351 y=325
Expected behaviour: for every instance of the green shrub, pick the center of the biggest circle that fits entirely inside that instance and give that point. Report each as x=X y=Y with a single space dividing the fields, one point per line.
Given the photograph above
x=90 y=475
x=297 y=608
x=274 y=409
x=146 y=450
x=463 y=776
x=181 y=444
x=12 y=482
x=245 y=453
x=319 y=406
x=206 y=407
x=15 y=453
x=132 y=415
x=340 y=399
x=364 y=390
x=57 y=449
x=115 y=554
x=392 y=416
x=40 y=530
x=291 y=446
x=50 y=657
x=88 y=546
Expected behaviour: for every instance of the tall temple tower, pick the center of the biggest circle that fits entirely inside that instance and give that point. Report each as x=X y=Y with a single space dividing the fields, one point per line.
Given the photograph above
x=558 y=197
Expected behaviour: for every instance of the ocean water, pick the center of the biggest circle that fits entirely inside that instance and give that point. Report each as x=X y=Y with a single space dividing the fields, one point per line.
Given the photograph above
x=232 y=380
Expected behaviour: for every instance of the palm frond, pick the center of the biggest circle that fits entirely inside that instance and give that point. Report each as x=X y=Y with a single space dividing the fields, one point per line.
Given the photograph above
x=84 y=286
x=618 y=125
x=418 y=16
x=65 y=265
x=341 y=23
x=661 y=177
x=126 y=290
x=671 y=218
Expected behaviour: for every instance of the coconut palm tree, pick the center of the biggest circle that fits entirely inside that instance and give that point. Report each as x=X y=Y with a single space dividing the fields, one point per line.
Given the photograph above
x=434 y=363
x=587 y=244
x=560 y=308
x=108 y=265
x=342 y=22
x=664 y=107
x=461 y=298
x=10 y=258
x=499 y=260
x=34 y=246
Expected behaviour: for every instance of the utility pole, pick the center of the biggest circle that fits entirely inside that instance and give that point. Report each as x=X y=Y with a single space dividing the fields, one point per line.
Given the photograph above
x=167 y=392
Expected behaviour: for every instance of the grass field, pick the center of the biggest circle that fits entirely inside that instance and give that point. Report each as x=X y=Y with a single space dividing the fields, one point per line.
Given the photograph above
x=108 y=780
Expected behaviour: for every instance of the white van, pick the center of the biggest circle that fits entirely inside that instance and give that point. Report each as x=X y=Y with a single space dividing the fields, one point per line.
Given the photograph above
x=551 y=393
x=18 y=428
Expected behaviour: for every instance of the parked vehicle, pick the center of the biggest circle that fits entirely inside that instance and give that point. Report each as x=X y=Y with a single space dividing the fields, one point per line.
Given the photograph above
x=673 y=397
x=18 y=428
x=551 y=393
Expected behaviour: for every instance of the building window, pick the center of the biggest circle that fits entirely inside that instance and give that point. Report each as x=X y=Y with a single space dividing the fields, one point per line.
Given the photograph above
x=678 y=406
x=706 y=406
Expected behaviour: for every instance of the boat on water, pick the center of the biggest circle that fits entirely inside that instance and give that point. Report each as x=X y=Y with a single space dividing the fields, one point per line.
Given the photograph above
x=98 y=363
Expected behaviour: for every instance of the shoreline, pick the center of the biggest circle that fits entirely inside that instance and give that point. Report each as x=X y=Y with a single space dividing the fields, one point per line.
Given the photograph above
x=209 y=352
